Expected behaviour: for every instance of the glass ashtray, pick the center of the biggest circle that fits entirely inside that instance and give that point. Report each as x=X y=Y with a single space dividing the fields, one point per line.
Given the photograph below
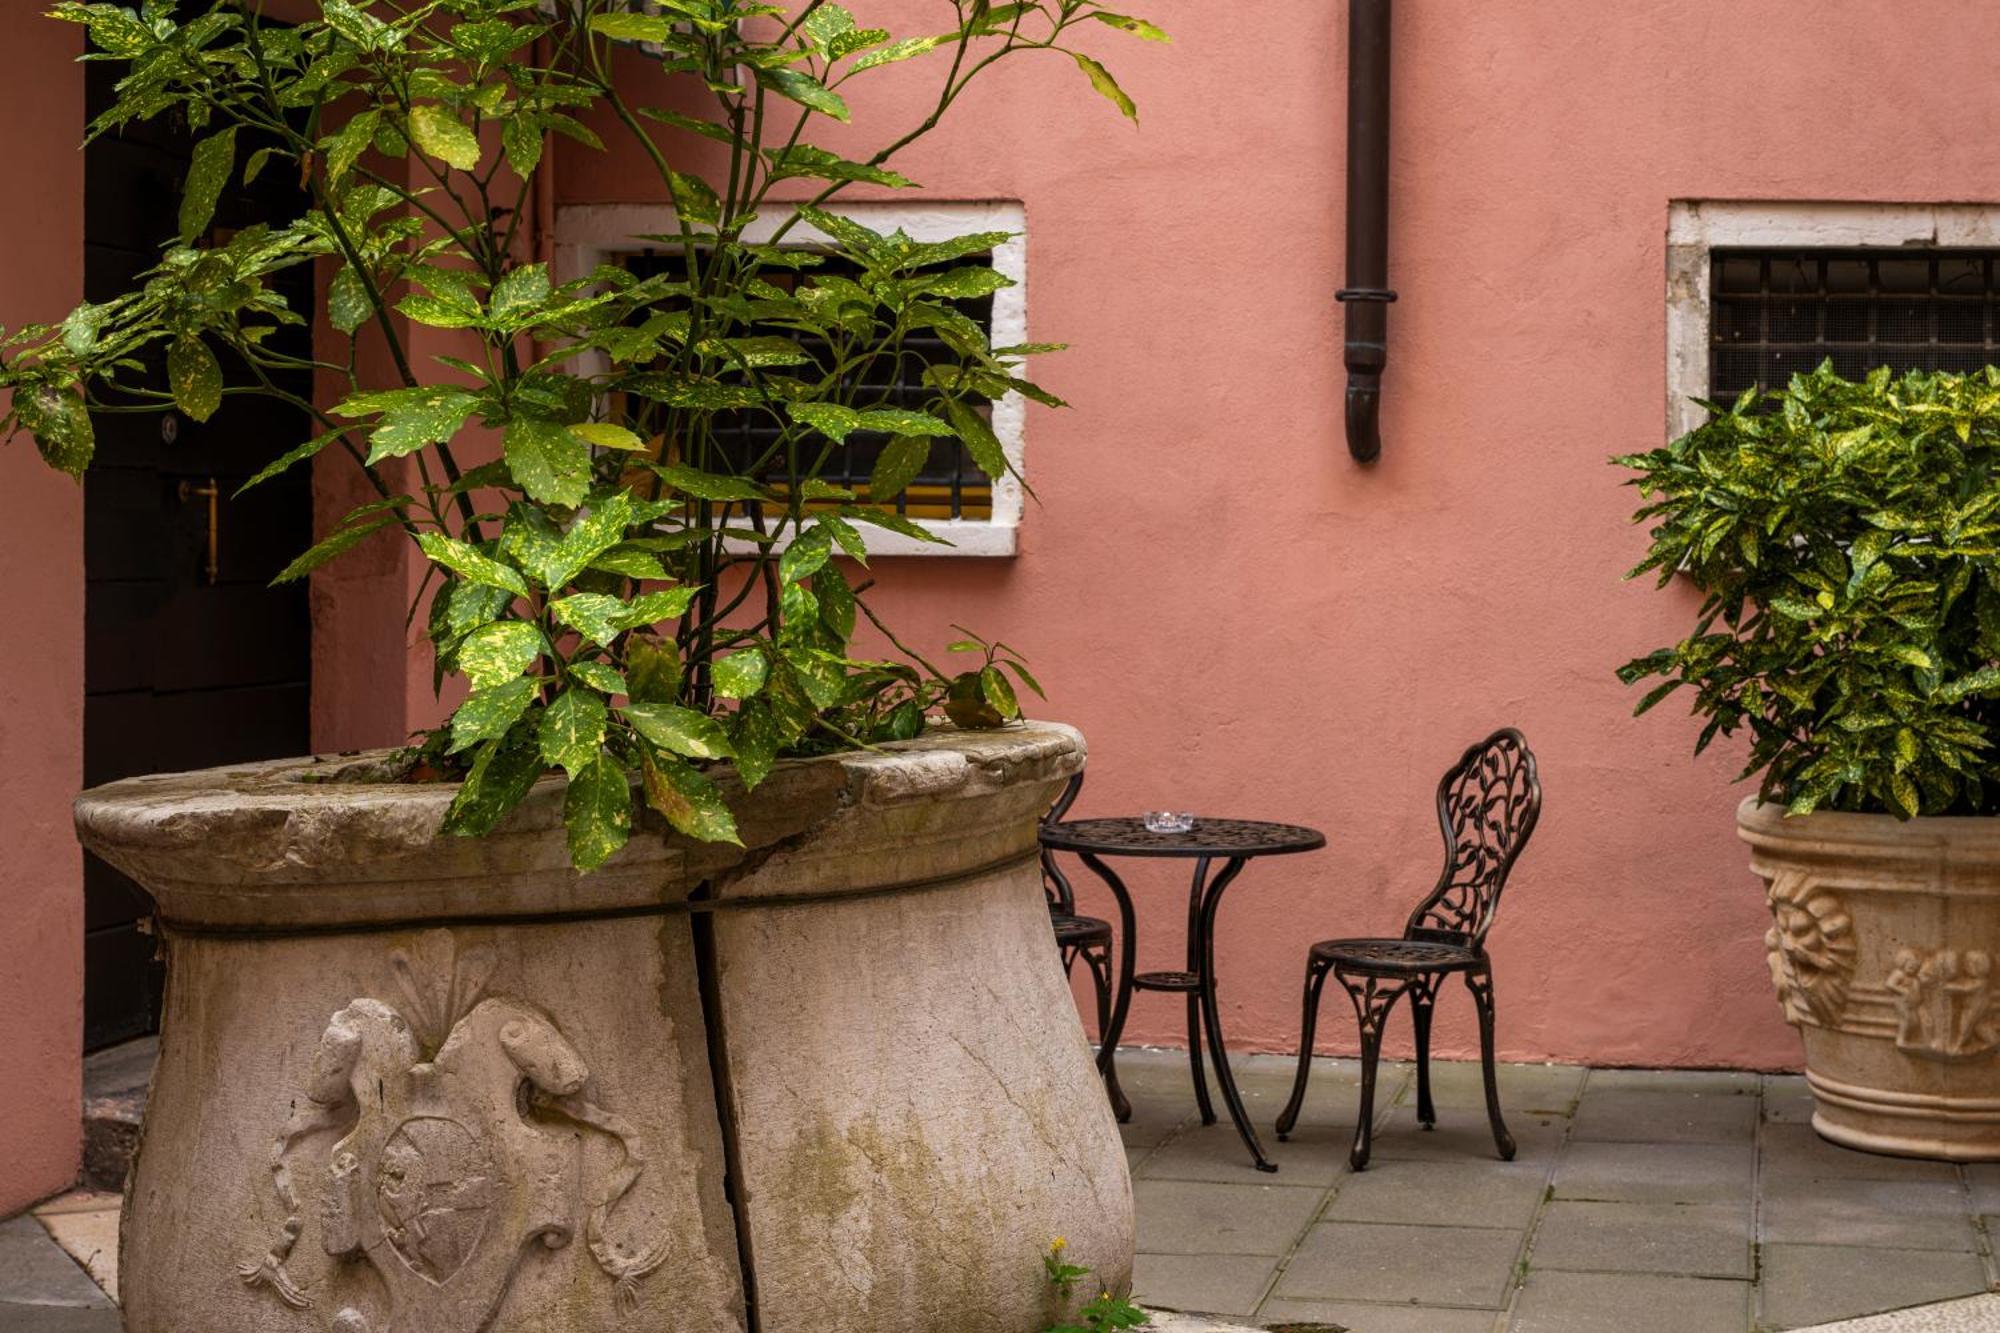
x=1167 y=821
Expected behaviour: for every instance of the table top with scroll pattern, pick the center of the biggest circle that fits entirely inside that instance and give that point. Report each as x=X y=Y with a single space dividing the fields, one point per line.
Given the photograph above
x=1209 y=837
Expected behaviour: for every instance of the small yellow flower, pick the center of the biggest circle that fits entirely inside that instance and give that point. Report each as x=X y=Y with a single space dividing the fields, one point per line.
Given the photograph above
x=1058 y=1245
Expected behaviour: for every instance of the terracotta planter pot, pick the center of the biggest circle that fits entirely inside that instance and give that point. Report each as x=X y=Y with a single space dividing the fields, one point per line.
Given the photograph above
x=1883 y=942
x=412 y=1084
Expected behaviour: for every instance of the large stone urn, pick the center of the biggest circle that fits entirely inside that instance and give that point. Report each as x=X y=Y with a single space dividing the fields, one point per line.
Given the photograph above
x=423 y=1084
x=1883 y=942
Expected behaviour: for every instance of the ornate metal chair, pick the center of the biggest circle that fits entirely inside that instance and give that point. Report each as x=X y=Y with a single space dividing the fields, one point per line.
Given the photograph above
x=1487 y=806
x=1082 y=937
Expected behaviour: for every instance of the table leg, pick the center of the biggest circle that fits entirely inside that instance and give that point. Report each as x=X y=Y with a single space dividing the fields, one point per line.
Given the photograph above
x=1195 y=1016
x=1128 y=946
x=1213 y=1015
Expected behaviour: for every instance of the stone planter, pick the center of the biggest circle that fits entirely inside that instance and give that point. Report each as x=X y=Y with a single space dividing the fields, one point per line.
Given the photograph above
x=1882 y=948
x=412 y=1084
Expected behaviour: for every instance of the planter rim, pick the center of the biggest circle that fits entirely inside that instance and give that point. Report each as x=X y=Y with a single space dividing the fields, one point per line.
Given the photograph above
x=250 y=848
x=1843 y=834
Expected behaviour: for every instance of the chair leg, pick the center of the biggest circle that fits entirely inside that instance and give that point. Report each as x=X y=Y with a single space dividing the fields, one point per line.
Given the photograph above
x=1315 y=982
x=1100 y=973
x=1373 y=998
x=1480 y=983
x=1194 y=1058
x=1423 y=995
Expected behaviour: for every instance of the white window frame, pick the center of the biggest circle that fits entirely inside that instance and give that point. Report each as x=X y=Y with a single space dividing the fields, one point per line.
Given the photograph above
x=1698 y=227
x=588 y=235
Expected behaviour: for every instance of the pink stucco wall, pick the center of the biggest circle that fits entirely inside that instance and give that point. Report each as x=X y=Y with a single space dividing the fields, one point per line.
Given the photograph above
x=1245 y=622
x=41 y=640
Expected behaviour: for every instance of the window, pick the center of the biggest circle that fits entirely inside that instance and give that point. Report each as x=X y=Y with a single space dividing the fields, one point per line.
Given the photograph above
x=952 y=487
x=1759 y=291
x=1778 y=312
x=953 y=498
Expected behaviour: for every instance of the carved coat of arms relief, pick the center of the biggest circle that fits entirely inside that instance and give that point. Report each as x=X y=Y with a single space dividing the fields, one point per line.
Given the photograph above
x=463 y=1152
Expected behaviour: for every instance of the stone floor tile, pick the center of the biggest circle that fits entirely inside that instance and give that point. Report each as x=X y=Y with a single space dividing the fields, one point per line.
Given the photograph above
x=1674 y=1080
x=1461 y=1084
x=1907 y=1215
x=1315 y=1155
x=1458 y=1194
x=1657 y=1172
x=1363 y=1318
x=1553 y=1302
x=1984 y=1178
x=1787 y=1100
x=1811 y=1284
x=1794 y=1151
x=1667 y=1116
x=35 y=1271
x=1463 y=1135
x=1153 y=1124
x=1678 y=1239
x=1370 y=1261
x=89 y=1237
x=1228 y=1284
x=1198 y=1217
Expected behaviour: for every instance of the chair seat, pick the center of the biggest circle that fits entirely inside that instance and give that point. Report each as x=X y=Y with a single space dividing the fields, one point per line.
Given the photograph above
x=1072 y=931
x=1395 y=956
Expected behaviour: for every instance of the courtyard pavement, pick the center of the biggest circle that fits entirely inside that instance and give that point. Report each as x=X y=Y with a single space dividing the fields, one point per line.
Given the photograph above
x=1640 y=1201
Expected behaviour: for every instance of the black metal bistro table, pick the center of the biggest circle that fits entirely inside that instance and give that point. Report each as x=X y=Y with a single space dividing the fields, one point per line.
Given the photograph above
x=1233 y=842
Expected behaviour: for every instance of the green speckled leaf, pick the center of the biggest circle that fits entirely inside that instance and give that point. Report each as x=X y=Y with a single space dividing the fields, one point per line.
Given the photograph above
x=419 y=417
x=214 y=161
x=652 y=669
x=196 y=378
x=443 y=135
x=654 y=607
x=551 y=464
x=347 y=303
x=469 y=562
x=494 y=654
x=487 y=715
x=739 y=675
x=595 y=615
x=60 y=423
x=572 y=729
x=598 y=676
x=689 y=800
x=754 y=735
x=502 y=774
x=597 y=812
x=681 y=730
x=980 y=441
x=901 y=460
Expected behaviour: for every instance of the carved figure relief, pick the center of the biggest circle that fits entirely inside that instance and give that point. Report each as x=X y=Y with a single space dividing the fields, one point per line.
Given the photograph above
x=1810 y=949
x=461 y=1151
x=1944 y=1001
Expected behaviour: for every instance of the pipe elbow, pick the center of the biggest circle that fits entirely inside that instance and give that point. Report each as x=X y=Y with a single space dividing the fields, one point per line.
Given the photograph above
x=1364 y=425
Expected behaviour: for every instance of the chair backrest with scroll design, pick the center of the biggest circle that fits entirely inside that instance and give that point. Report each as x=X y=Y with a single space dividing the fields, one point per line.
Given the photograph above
x=1055 y=884
x=1487 y=805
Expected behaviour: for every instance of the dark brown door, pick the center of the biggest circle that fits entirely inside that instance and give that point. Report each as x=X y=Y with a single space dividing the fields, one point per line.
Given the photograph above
x=191 y=659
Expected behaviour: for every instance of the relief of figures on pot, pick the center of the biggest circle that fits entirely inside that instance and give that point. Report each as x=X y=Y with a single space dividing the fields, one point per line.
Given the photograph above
x=453 y=1110
x=1945 y=1007
x=1810 y=950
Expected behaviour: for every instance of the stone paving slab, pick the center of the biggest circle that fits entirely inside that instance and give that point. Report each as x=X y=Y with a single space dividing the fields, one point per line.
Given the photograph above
x=1813 y=1284
x=1668 y=1239
x=1553 y=1302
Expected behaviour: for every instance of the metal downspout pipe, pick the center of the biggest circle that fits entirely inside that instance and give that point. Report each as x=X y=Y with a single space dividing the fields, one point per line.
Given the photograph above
x=1366 y=296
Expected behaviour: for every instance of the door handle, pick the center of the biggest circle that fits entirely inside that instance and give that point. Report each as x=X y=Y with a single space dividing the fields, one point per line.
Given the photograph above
x=212 y=564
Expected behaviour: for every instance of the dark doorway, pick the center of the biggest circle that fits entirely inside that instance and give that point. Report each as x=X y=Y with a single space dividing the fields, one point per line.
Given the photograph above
x=190 y=658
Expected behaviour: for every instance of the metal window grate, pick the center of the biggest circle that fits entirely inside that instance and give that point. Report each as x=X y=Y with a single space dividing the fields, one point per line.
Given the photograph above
x=1775 y=313
x=952 y=486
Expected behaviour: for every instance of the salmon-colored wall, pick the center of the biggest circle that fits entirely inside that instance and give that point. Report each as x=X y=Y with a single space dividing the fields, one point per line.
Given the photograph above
x=1245 y=622
x=41 y=638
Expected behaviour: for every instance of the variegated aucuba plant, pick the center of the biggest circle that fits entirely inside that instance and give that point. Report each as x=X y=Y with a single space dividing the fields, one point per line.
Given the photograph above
x=1846 y=539
x=618 y=591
